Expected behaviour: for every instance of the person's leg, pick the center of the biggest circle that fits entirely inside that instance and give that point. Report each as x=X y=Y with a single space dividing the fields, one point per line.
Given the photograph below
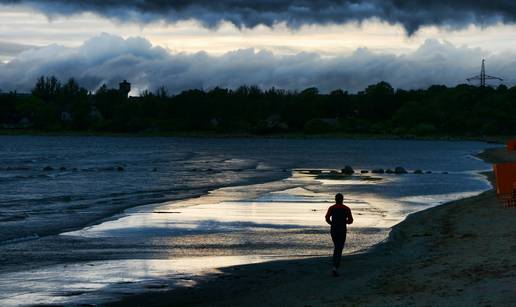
x=340 y=240
x=337 y=253
x=335 y=239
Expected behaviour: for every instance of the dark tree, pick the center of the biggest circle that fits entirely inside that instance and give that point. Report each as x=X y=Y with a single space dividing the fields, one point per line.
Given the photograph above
x=463 y=110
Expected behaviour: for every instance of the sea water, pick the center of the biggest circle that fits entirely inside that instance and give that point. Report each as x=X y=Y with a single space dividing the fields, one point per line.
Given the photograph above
x=124 y=205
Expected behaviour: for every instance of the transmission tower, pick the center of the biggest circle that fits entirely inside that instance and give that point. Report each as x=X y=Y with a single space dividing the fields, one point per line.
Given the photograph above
x=483 y=77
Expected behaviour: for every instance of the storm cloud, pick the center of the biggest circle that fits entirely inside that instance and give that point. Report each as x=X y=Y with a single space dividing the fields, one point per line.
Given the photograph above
x=412 y=14
x=109 y=59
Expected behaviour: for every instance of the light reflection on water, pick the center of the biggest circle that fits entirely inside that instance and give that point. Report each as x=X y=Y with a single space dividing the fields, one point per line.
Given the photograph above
x=73 y=181
x=282 y=217
x=267 y=210
x=101 y=281
x=288 y=205
x=294 y=207
x=436 y=199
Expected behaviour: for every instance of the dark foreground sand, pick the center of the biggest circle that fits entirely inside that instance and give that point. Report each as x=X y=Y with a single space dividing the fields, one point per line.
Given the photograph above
x=459 y=254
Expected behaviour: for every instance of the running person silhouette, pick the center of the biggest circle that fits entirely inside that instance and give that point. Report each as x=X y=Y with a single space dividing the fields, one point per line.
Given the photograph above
x=338 y=216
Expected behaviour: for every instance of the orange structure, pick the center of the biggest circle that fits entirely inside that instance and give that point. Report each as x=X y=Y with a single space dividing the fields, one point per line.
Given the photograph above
x=511 y=145
x=505 y=174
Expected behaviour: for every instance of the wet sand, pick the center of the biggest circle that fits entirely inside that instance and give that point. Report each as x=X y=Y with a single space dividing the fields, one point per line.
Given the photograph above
x=459 y=254
x=187 y=245
x=166 y=246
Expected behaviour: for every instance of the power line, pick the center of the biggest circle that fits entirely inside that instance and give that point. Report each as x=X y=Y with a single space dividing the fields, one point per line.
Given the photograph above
x=483 y=77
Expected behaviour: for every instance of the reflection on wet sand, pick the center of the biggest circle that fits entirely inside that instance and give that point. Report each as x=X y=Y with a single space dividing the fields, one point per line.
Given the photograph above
x=177 y=243
x=100 y=281
x=286 y=204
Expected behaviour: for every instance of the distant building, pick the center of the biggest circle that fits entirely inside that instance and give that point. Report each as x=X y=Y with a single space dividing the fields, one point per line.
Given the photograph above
x=125 y=88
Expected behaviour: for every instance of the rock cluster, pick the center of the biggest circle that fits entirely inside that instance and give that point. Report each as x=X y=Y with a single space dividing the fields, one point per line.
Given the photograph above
x=347 y=170
x=400 y=170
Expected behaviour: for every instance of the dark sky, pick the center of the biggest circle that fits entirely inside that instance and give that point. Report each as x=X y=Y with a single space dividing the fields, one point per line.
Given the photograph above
x=249 y=13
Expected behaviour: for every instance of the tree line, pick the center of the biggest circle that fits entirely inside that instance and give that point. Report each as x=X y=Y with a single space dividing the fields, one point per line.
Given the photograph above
x=462 y=110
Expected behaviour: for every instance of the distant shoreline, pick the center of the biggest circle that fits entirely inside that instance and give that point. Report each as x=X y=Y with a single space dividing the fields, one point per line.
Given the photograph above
x=487 y=139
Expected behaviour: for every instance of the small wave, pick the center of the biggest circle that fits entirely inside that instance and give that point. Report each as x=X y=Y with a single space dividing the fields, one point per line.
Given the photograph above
x=261 y=166
x=42 y=201
x=21 y=239
x=13 y=217
x=15 y=168
x=17 y=177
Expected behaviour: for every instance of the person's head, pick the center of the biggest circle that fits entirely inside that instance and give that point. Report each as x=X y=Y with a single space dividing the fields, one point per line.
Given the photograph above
x=339 y=198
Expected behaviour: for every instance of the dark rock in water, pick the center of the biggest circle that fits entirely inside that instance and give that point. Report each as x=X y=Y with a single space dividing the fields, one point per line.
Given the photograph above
x=445 y=173
x=74 y=169
x=154 y=169
x=347 y=170
x=400 y=170
x=418 y=171
x=428 y=172
x=315 y=171
x=108 y=168
x=48 y=168
x=389 y=171
x=378 y=171
x=364 y=172
x=62 y=168
x=120 y=169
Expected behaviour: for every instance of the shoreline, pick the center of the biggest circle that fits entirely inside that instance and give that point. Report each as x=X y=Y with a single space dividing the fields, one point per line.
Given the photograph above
x=437 y=256
x=115 y=213
x=294 y=135
x=77 y=253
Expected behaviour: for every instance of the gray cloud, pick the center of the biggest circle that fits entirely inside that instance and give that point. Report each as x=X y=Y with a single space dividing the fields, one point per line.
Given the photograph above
x=110 y=59
x=412 y=14
x=11 y=49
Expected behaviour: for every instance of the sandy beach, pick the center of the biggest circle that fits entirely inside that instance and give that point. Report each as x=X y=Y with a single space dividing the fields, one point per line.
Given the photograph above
x=458 y=254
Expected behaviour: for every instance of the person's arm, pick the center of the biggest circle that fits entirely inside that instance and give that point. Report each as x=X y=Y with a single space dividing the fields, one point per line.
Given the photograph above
x=350 y=217
x=328 y=215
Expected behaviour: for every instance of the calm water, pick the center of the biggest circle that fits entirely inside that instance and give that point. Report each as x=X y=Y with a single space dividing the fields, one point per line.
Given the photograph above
x=53 y=184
